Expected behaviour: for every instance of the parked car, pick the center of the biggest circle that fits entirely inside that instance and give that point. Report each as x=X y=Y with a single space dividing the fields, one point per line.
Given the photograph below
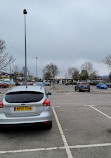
x=24 y=106
x=4 y=85
x=82 y=86
x=47 y=83
x=28 y=83
x=39 y=84
x=101 y=86
x=108 y=84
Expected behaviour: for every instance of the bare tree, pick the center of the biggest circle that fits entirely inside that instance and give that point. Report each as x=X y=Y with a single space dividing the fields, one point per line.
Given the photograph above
x=50 y=71
x=2 y=45
x=23 y=73
x=73 y=73
x=110 y=76
x=5 y=59
x=15 y=73
x=108 y=60
x=93 y=76
x=88 y=66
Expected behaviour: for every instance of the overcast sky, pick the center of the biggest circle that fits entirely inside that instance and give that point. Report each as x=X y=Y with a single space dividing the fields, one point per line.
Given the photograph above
x=64 y=32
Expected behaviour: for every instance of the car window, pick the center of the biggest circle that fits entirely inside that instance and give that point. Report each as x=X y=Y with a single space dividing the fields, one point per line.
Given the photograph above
x=23 y=97
x=84 y=84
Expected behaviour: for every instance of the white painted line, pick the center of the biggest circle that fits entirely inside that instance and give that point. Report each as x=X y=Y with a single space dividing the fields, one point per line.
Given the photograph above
x=89 y=105
x=90 y=146
x=69 y=154
x=30 y=150
x=101 y=112
x=55 y=148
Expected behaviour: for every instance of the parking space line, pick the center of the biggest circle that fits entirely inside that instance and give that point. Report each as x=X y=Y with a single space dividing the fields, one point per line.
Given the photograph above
x=55 y=148
x=68 y=151
x=90 y=146
x=100 y=112
x=89 y=105
x=30 y=150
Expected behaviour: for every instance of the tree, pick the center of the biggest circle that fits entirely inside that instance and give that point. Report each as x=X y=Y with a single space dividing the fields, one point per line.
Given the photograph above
x=84 y=75
x=5 y=59
x=50 y=71
x=110 y=76
x=47 y=76
x=22 y=73
x=108 y=60
x=93 y=76
x=73 y=73
x=88 y=67
x=15 y=72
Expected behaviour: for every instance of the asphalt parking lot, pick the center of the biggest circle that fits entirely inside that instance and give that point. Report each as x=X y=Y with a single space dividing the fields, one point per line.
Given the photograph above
x=81 y=128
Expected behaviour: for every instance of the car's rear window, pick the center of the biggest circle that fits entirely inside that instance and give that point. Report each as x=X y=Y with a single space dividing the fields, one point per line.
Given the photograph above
x=84 y=84
x=23 y=97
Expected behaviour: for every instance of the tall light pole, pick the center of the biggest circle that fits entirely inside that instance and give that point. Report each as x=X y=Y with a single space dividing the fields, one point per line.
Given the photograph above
x=25 y=12
x=36 y=69
x=10 y=75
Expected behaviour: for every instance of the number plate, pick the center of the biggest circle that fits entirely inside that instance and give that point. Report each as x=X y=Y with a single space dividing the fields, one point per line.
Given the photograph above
x=23 y=108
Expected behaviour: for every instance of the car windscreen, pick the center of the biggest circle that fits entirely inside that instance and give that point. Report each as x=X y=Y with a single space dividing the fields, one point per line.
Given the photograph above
x=24 y=97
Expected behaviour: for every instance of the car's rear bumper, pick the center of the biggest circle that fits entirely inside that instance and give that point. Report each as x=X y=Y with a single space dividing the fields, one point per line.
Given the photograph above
x=23 y=124
x=44 y=116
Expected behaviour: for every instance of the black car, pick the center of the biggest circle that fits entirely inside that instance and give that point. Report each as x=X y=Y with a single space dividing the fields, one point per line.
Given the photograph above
x=82 y=86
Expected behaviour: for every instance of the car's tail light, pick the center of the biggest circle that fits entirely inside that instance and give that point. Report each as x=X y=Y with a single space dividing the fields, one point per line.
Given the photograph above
x=1 y=104
x=47 y=122
x=46 y=103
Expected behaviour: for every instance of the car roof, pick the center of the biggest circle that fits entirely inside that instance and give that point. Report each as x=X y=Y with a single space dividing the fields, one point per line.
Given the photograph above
x=29 y=88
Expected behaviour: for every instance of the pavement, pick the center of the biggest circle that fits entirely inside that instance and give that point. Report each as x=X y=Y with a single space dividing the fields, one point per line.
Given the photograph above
x=81 y=128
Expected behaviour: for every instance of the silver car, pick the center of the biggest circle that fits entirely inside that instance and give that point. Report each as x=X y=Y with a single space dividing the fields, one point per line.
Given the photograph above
x=22 y=106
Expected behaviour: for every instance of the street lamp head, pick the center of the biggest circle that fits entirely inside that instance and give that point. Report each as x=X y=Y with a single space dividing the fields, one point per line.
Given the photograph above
x=24 y=11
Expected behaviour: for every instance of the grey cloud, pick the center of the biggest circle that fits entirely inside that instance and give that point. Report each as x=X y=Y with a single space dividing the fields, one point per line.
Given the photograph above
x=58 y=31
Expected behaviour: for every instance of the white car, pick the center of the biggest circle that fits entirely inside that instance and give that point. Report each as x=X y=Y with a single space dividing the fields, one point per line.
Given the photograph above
x=21 y=105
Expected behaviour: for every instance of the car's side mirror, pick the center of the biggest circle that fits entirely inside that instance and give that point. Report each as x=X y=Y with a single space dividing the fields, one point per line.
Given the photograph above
x=49 y=93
